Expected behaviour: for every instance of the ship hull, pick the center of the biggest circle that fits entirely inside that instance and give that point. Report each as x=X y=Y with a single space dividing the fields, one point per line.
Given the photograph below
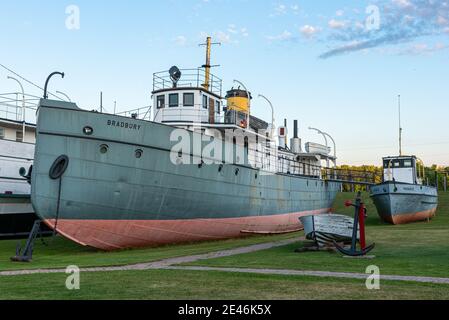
x=114 y=200
x=119 y=234
x=401 y=203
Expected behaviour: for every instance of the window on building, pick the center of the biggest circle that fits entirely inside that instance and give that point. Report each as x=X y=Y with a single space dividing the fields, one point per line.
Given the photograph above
x=188 y=100
x=173 y=100
x=2 y=133
x=19 y=136
x=161 y=102
x=217 y=107
x=205 y=101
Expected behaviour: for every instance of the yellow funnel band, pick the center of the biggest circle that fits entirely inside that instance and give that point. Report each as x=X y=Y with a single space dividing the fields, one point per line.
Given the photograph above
x=238 y=104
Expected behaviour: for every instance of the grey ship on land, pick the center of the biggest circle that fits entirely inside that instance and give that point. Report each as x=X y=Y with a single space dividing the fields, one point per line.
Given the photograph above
x=402 y=197
x=112 y=182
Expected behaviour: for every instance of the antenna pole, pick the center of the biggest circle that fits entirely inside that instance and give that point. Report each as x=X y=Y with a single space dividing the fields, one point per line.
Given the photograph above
x=400 y=126
x=207 y=66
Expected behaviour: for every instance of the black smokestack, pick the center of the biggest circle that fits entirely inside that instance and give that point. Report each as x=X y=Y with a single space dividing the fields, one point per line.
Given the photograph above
x=295 y=128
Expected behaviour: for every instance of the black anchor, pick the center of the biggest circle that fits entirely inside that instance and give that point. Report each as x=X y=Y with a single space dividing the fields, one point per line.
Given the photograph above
x=360 y=212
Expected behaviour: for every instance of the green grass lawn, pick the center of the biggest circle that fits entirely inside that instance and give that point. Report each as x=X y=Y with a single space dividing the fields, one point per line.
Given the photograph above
x=60 y=253
x=413 y=249
x=186 y=285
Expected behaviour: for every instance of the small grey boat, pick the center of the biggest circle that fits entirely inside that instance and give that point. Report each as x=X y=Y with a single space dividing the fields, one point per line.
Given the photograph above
x=327 y=228
x=402 y=197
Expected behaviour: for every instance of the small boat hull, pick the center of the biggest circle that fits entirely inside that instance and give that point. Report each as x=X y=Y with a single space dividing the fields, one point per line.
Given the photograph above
x=327 y=228
x=401 y=203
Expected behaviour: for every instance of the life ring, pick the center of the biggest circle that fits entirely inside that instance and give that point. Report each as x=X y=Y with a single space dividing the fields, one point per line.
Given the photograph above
x=59 y=167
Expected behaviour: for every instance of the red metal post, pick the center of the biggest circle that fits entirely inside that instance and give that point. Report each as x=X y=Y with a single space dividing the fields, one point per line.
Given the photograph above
x=362 y=226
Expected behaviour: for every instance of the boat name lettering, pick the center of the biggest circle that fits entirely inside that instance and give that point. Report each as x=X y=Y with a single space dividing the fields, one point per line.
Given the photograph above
x=122 y=124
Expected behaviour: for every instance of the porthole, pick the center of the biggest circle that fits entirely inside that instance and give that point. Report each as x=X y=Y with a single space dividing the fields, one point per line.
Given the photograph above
x=88 y=131
x=104 y=148
x=139 y=153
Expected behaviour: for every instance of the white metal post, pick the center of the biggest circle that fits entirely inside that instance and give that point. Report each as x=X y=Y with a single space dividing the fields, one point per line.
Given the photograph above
x=23 y=106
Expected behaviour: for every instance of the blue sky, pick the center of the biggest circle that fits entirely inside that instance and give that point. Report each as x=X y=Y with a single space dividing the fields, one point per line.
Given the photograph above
x=320 y=62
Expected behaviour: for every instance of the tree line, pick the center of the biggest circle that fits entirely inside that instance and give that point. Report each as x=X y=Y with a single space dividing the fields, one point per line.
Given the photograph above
x=433 y=175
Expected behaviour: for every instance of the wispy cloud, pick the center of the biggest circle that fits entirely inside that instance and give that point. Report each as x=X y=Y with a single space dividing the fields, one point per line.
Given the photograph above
x=401 y=21
x=181 y=41
x=231 y=35
x=284 y=36
x=282 y=9
x=309 y=31
x=336 y=24
x=423 y=48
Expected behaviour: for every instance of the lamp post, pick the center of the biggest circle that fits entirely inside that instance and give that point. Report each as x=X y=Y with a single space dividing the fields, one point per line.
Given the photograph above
x=272 y=114
x=333 y=141
x=249 y=101
x=63 y=94
x=23 y=105
x=48 y=80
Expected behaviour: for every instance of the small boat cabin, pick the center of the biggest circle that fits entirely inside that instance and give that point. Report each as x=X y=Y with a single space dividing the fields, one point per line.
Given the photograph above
x=405 y=169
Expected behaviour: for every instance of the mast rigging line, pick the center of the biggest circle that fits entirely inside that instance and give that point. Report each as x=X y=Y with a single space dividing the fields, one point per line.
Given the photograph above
x=28 y=81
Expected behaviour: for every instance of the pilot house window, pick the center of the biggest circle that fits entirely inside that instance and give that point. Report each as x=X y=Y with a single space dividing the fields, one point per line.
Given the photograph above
x=173 y=100
x=217 y=106
x=161 y=102
x=398 y=163
x=19 y=136
x=408 y=164
x=205 y=100
x=188 y=100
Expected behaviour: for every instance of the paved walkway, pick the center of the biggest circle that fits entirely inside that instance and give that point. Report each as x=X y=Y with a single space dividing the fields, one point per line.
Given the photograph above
x=314 y=274
x=172 y=264
x=163 y=263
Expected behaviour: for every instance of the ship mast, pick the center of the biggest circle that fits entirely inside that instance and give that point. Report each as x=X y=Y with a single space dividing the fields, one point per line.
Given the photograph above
x=207 y=66
x=400 y=126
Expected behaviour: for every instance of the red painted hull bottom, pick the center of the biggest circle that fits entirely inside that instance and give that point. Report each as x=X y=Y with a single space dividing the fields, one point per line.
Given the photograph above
x=410 y=217
x=111 y=235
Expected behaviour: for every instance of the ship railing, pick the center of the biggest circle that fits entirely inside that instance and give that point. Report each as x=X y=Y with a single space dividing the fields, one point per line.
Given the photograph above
x=269 y=159
x=194 y=114
x=143 y=113
x=11 y=107
x=353 y=176
x=190 y=78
